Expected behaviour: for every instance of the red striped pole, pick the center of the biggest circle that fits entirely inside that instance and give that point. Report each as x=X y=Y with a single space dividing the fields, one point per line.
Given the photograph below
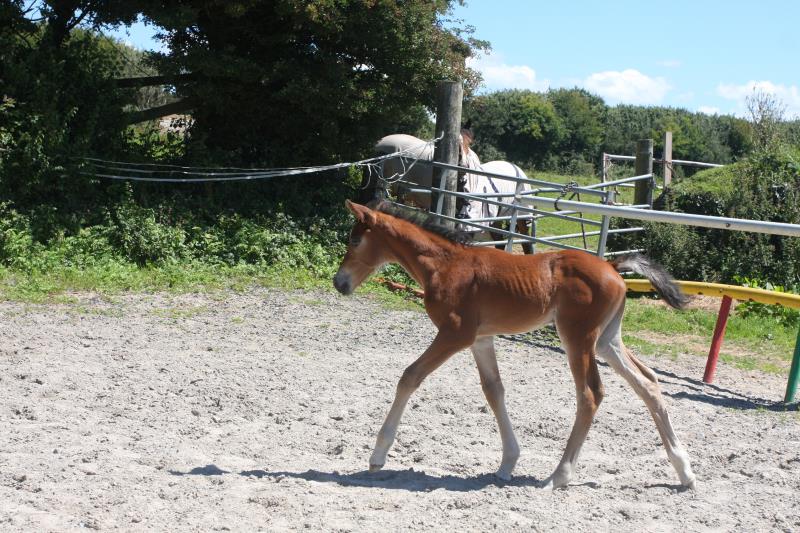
x=716 y=341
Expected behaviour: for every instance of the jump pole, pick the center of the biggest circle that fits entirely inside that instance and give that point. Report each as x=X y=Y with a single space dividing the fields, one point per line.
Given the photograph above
x=716 y=340
x=794 y=372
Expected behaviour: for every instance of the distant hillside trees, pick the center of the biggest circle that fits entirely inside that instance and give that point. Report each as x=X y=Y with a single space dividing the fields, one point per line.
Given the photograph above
x=568 y=130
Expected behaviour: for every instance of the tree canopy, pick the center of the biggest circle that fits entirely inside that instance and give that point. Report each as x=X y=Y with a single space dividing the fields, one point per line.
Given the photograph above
x=289 y=81
x=268 y=82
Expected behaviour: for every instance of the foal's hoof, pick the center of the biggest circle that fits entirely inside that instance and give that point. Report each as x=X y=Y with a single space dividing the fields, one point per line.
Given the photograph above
x=554 y=483
x=503 y=476
x=374 y=468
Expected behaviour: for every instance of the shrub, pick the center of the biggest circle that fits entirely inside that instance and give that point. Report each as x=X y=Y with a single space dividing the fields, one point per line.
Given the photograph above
x=16 y=241
x=142 y=238
x=764 y=187
x=785 y=316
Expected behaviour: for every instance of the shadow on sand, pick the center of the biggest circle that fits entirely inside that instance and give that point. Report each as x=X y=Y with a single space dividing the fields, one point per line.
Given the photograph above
x=695 y=390
x=698 y=391
x=410 y=480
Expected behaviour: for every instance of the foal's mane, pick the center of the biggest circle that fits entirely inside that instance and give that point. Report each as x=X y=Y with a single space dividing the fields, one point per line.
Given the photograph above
x=423 y=220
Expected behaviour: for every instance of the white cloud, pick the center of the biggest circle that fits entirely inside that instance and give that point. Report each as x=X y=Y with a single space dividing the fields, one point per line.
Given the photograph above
x=670 y=63
x=628 y=86
x=787 y=95
x=498 y=75
x=708 y=110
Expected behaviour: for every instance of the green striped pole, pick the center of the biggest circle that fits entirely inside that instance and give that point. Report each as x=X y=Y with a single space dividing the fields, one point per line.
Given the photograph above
x=794 y=372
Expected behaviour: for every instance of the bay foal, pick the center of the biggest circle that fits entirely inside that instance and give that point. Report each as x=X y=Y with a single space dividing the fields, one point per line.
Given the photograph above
x=472 y=294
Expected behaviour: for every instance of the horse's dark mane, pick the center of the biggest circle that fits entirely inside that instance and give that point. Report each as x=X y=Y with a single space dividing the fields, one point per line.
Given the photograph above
x=424 y=221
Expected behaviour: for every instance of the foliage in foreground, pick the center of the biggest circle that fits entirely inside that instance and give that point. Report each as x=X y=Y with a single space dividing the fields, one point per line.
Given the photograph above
x=135 y=249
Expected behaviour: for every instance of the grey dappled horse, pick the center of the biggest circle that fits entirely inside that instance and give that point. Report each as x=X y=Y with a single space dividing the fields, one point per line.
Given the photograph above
x=422 y=175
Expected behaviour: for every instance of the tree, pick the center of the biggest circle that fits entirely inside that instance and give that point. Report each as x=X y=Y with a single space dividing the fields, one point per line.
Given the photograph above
x=583 y=115
x=520 y=126
x=60 y=102
x=286 y=82
x=765 y=112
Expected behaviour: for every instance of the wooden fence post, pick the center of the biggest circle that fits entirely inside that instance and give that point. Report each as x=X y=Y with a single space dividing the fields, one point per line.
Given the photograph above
x=644 y=165
x=667 y=158
x=449 y=95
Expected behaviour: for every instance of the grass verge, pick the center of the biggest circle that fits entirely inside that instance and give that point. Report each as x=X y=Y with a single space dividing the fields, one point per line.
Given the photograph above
x=752 y=342
x=55 y=285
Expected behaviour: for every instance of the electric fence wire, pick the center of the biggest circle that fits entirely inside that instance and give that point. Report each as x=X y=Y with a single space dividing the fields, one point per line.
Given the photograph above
x=158 y=172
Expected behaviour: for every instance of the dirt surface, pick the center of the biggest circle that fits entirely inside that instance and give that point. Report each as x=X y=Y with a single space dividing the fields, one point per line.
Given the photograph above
x=258 y=411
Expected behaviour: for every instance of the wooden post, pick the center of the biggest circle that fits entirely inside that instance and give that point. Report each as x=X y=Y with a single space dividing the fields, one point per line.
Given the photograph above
x=667 y=158
x=644 y=165
x=449 y=95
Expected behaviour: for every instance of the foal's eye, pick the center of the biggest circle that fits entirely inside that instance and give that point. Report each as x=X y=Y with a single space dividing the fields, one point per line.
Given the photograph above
x=355 y=241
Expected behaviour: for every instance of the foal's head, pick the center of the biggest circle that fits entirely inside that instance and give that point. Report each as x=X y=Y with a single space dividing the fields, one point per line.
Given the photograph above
x=365 y=253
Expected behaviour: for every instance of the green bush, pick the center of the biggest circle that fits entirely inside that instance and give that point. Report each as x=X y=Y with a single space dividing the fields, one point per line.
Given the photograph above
x=276 y=240
x=785 y=316
x=764 y=187
x=17 y=245
x=137 y=235
x=142 y=238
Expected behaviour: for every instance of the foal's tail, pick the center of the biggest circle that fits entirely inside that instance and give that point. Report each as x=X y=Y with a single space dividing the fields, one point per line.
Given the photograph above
x=659 y=278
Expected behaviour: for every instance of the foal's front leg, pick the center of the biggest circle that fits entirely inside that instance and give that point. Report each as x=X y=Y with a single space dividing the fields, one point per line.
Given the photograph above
x=485 y=357
x=443 y=347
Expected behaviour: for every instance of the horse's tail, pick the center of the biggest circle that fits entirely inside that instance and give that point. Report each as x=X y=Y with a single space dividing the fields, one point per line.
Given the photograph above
x=659 y=278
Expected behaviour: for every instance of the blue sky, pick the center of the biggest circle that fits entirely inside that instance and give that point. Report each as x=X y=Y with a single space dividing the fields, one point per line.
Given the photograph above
x=702 y=55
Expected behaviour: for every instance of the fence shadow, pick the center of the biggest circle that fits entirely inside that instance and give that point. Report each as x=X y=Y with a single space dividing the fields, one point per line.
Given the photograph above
x=696 y=390
x=408 y=480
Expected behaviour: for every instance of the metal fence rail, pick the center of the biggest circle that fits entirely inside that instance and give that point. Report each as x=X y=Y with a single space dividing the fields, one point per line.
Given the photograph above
x=520 y=212
x=529 y=205
x=672 y=161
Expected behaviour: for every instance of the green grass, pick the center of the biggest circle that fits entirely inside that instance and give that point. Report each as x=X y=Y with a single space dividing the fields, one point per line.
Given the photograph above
x=56 y=285
x=550 y=226
x=753 y=342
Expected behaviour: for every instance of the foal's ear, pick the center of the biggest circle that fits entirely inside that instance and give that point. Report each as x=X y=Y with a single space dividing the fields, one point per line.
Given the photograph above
x=363 y=214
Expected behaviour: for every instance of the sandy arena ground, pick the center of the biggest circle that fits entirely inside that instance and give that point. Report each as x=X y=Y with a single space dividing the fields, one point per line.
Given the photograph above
x=258 y=411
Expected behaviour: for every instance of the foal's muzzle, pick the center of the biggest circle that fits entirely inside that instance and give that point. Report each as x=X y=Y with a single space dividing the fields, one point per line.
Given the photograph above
x=342 y=283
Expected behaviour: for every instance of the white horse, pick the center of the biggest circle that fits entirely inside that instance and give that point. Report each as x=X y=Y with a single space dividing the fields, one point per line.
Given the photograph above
x=422 y=175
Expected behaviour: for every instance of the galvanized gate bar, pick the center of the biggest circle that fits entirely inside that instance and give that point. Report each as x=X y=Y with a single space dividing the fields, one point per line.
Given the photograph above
x=737 y=224
x=507 y=177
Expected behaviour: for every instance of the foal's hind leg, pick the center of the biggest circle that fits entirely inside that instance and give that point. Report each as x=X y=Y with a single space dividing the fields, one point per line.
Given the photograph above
x=483 y=351
x=644 y=382
x=589 y=392
x=443 y=347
